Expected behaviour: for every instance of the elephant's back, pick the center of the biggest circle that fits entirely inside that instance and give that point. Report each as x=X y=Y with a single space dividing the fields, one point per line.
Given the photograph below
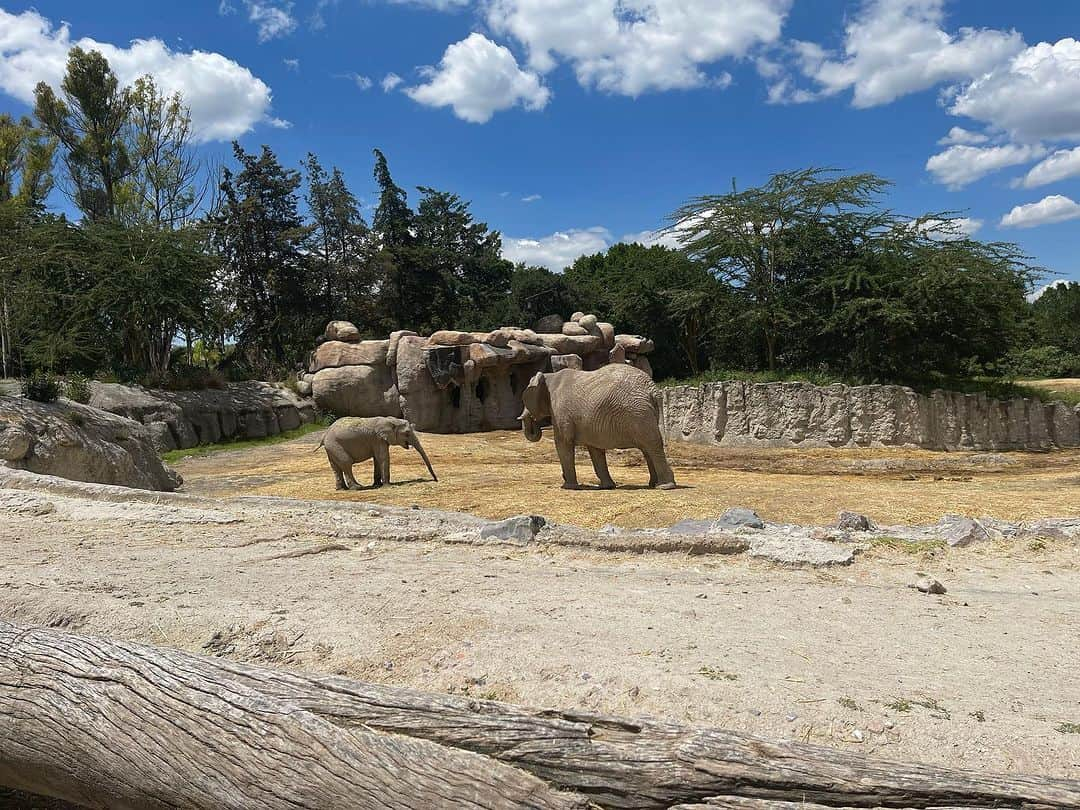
x=618 y=394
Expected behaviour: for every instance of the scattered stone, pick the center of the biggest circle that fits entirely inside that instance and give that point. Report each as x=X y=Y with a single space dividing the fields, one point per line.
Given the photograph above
x=796 y=550
x=854 y=522
x=25 y=503
x=521 y=529
x=957 y=530
x=791 y=718
x=857 y=735
x=928 y=585
x=574 y=330
x=691 y=526
x=737 y=517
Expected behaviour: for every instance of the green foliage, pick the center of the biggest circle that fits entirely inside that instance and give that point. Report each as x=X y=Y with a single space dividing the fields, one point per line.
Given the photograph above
x=41 y=386
x=77 y=388
x=185 y=377
x=260 y=238
x=1042 y=361
x=26 y=159
x=88 y=120
x=1056 y=317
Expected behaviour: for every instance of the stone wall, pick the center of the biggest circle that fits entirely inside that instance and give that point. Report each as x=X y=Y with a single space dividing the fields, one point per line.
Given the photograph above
x=457 y=382
x=81 y=443
x=737 y=413
x=183 y=419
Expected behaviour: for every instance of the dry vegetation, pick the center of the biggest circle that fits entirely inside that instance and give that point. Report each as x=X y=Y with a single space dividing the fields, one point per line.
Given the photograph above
x=499 y=474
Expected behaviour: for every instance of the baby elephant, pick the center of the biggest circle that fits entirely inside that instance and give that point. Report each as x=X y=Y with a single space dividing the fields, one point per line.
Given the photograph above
x=352 y=439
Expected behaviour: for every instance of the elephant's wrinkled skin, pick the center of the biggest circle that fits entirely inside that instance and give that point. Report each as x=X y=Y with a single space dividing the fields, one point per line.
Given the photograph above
x=614 y=407
x=352 y=439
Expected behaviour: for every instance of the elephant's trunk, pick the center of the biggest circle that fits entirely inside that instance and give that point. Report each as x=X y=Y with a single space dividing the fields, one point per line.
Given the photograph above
x=530 y=427
x=420 y=449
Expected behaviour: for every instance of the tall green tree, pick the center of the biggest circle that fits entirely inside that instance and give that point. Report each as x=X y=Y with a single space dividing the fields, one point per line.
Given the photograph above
x=470 y=274
x=1057 y=316
x=654 y=291
x=26 y=162
x=742 y=236
x=340 y=247
x=89 y=119
x=167 y=183
x=260 y=238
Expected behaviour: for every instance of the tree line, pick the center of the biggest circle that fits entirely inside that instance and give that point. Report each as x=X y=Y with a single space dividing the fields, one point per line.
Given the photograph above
x=176 y=271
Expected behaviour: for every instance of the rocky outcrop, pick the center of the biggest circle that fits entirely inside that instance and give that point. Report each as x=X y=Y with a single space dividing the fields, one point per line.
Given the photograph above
x=183 y=419
x=81 y=443
x=452 y=381
x=737 y=413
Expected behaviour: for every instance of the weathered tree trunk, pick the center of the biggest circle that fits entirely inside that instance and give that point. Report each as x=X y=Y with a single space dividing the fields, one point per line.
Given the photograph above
x=123 y=725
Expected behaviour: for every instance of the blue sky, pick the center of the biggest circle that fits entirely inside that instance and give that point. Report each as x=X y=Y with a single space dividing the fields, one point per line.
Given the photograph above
x=571 y=124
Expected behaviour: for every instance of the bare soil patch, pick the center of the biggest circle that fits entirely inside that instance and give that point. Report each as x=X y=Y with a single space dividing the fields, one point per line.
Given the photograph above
x=982 y=677
x=499 y=474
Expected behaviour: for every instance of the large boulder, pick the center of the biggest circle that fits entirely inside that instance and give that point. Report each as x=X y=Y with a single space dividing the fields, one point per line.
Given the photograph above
x=571 y=344
x=356 y=391
x=561 y=361
x=336 y=353
x=549 y=325
x=81 y=443
x=343 y=331
x=449 y=337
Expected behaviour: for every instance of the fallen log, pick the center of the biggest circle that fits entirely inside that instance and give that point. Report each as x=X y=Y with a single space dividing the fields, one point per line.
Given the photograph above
x=123 y=725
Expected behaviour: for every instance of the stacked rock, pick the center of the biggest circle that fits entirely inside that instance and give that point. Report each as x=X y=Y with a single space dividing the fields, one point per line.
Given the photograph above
x=453 y=381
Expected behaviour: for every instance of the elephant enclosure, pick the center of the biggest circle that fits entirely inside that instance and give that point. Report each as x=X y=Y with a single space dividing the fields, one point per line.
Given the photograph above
x=499 y=474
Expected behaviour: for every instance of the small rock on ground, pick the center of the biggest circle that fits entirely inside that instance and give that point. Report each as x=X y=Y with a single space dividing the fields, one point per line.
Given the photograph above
x=739 y=516
x=519 y=529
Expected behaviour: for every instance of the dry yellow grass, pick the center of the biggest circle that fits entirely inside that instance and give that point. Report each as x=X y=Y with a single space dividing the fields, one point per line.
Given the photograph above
x=499 y=474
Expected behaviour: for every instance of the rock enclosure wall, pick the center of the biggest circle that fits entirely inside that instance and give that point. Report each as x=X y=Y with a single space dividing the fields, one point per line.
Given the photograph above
x=81 y=443
x=457 y=382
x=183 y=419
x=737 y=413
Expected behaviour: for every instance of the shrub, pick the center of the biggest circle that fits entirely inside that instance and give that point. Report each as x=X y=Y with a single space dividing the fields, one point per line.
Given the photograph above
x=77 y=388
x=41 y=386
x=183 y=377
x=1042 y=361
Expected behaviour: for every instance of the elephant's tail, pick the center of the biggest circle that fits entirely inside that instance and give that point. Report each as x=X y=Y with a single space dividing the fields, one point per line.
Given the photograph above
x=319 y=445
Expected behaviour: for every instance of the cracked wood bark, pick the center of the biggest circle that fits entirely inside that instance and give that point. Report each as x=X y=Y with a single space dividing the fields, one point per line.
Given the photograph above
x=122 y=725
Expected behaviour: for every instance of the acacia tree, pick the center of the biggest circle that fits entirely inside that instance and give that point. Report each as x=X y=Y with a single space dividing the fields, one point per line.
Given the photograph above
x=166 y=186
x=89 y=119
x=741 y=236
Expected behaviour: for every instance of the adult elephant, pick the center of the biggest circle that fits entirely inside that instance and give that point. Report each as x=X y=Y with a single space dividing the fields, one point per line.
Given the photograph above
x=353 y=438
x=617 y=406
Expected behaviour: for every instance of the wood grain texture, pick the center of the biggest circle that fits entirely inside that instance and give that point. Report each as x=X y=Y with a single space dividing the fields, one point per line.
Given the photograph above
x=124 y=725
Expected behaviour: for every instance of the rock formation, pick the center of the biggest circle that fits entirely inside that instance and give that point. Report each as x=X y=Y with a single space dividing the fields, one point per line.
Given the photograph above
x=737 y=413
x=183 y=419
x=457 y=382
x=75 y=441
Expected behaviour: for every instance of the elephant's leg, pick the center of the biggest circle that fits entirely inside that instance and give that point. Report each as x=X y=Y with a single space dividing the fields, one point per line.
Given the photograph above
x=386 y=466
x=657 y=460
x=342 y=463
x=652 y=470
x=376 y=471
x=565 y=449
x=339 y=480
x=599 y=463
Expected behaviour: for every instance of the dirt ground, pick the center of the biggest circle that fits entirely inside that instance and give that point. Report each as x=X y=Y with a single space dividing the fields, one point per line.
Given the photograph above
x=982 y=677
x=499 y=474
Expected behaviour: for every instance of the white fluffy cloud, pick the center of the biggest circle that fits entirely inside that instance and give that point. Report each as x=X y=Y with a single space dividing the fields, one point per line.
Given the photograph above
x=634 y=46
x=1062 y=164
x=896 y=47
x=478 y=78
x=226 y=100
x=960 y=165
x=440 y=5
x=1035 y=95
x=559 y=250
x=664 y=238
x=272 y=20
x=1046 y=211
x=948 y=230
x=390 y=82
x=959 y=135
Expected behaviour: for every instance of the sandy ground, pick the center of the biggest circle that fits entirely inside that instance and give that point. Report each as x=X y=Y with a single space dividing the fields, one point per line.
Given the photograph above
x=500 y=474
x=983 y=677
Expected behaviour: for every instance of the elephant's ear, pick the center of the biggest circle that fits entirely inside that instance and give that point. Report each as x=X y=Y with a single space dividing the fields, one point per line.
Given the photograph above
x=387 y=431
x=538 y=380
